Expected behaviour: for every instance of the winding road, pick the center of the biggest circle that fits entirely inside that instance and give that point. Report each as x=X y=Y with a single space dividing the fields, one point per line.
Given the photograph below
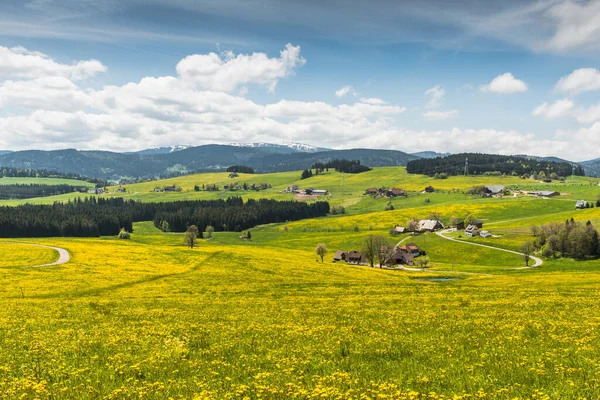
x=63 y=255
x=537 y=261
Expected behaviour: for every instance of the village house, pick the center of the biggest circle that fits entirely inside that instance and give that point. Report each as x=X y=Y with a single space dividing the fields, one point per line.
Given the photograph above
x=292 y=189
x=472 y=230
x=355 y=257
x=401 y=257
x=157 y=189
x=121 y=190
x=395 y=193
x=493 y=190
x=412 y=249
x=371 y=191
x=315 y=192
x=581 y=204
x=340 y=255
x=398 y=230
x=485 y=234
x=430 y=225
x=96 y=191
x=459 y=226
x=172 y=188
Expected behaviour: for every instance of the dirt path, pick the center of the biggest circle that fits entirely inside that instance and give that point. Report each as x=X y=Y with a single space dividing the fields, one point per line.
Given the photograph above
x=537 y=261
x=63 y=255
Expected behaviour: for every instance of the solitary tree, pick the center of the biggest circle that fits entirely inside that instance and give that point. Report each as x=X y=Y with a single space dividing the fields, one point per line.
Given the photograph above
x=453 y=221
x=191 y=236
x=527 y=250
x=209 y=231
x=412 y=225
x=423 y=262
x=321 y=250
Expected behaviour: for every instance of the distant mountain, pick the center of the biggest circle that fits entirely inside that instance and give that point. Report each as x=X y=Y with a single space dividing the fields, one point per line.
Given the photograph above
x=429 y=154
x=287 y=148
x=160 y=150
x=116 y=166
x=591 y=167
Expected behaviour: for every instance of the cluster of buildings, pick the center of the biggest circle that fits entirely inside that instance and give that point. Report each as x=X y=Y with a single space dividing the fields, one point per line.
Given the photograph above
x=383 y=192
x=306 y=192
x=403 y=255
x=168 y=188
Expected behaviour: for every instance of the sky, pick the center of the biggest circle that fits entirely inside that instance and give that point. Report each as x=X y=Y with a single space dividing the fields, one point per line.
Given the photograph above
x=510 y=77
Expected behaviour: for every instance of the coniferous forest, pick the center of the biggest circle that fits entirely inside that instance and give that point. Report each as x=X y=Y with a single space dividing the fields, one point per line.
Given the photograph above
x=480 y=164
x=23 y=191
x=92 y=217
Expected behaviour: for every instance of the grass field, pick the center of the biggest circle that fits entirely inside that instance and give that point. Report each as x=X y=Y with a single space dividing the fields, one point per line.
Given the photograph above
x=44 y=181
x=263 y=319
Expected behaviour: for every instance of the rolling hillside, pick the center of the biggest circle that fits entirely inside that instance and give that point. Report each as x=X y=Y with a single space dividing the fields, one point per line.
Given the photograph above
x=115 y=166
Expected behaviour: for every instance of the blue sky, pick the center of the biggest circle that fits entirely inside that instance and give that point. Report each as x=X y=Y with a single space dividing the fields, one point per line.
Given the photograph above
x=503 y=77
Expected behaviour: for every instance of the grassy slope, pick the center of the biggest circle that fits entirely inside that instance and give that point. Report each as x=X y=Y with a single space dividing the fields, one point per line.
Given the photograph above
x=148 y=318
x=44 y=181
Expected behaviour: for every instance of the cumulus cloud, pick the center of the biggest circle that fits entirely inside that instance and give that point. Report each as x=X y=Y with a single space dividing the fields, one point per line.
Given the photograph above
x=343 y=91
x=579 y=81
x=18 y=62
x=505 y=84
x=435 y=94
x=48 y=93
x=558 y=109
x=227 y=71
x=589 y=115
x=439 y=115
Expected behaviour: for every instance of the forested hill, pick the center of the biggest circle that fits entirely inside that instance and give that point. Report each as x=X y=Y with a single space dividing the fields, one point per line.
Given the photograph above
x=115 y=166
x=480 y=164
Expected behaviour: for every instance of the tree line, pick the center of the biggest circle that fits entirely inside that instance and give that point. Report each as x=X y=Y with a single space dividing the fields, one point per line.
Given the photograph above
x=346 y=166
x=241 y=169
x=24 y=191
x=11 y=172
x=489 y=164
x=93 y=217
x=237 y=216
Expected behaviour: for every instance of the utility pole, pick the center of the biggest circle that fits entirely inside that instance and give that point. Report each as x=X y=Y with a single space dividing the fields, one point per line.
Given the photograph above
x=466 y=166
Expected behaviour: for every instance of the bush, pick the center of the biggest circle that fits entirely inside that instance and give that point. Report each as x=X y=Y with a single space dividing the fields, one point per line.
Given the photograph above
x=123 y=234
x=338 y=210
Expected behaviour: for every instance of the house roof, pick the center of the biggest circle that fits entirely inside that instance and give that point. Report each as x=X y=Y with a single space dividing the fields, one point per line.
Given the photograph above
x=471 y=228
x=397 y=191
x=493 y=189
x=410 y=247
x=399 y=229
x=354 y=254
x=338 y=254
x=429 y=224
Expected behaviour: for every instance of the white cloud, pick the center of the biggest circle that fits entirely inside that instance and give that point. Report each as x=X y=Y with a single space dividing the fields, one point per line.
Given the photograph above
x=48 y=93
x=436 y=94
x=439 y=115
x=579 y=81
x=589 y=115
x=505 y=84
x=343 y=91
x=577 y=25
x=558 y=109
x=18 y=62
x=373 y=100
x=227 y=71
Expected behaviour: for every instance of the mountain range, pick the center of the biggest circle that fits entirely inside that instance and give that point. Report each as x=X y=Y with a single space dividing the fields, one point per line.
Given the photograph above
x=181 y=159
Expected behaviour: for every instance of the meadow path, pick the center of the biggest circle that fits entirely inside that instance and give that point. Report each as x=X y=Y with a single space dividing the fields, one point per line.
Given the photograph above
x=537 y=261
x=63 y=255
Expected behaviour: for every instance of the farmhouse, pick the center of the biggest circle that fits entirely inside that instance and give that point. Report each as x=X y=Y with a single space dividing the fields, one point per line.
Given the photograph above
x=355 y=257
x=340 y=255
x=96 y=191
x=315 y=192
x=395 y=193
x=401 y=257
x=292 y=189
x=121 y=190
x=472 y=230
x=459 y=226
x=581 y=204
x=430 y=225
x=371 y=191
x=398 y=230
x=411 y=249
x=543 y=193
x=172 y=188
x=492 y=190
x=157 y=189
